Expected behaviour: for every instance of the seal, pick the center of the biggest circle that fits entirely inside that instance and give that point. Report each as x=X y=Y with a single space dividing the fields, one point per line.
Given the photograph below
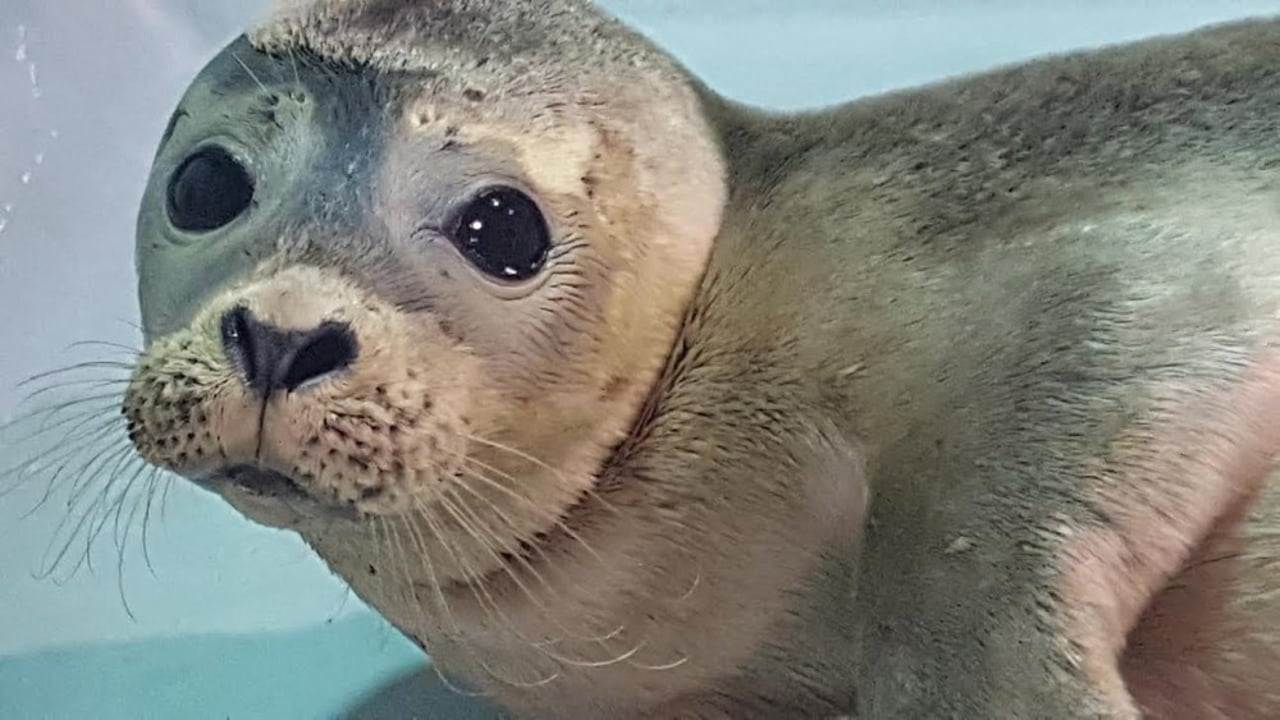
x=626 y=400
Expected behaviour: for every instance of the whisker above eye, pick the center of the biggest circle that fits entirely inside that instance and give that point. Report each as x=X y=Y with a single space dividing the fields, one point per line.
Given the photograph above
x=249 y=71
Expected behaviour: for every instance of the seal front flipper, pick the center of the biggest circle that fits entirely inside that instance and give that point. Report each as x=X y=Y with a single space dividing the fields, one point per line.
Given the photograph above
x=1084 y=583
x=979 y=630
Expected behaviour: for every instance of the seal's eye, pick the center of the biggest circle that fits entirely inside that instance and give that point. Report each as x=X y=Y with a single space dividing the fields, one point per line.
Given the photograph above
x=502 y=232
x=208 y=190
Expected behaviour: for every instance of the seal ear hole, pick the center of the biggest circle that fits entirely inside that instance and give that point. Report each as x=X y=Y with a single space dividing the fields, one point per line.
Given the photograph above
x=208 y=190
x=503 y=234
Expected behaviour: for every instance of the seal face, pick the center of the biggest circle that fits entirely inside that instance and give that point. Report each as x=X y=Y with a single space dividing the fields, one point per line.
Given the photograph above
x=360 y=280
x=626 y=401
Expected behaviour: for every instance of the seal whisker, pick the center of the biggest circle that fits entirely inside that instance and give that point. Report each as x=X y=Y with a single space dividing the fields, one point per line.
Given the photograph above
x=551 y=516
x=397 y=545
x=622 y=657
x=89 y=418
x=479 y=581
x=293 y=61
x=118 y=461
x=132 y=325
x=164 y=497
x=625 y=656
x=428 y=564
x=514 y=551
x=456 y=513
x=249 y=71
x=81 y=398
x=397 y=550
x=518 y=683
x=122 y=540
x=492 y=609
x=120 y=590
x=519 y=557
x=83 y=430
x=660 y=668
x=84 y=478
x=82 y=520
x=21 y=472
x=108 y=345
x=93 y=384
x=110 y=461
x=474 y=579
x=67 y=369
x=558 y=521
x=601 y=639
x=415 y=534
x=530 y=458
x=88 y=471
x=46 y=414
x=543 y=646
x=342 y=603
x=104 y=509
x=153 y=481
x=139 y=501
x=97 y=509
x=63 y=457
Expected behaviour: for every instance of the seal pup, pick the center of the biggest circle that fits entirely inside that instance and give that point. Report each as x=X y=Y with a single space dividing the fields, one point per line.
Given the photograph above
x=625 y=400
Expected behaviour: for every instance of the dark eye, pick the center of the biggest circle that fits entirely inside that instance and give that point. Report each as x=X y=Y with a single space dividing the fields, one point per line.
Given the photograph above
x=502 y=232
x=209 y=189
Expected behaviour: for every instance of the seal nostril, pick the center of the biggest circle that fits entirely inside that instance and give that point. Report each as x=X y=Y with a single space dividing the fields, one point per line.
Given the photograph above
x=328 y=349
x=239 y=343
x=270 y=359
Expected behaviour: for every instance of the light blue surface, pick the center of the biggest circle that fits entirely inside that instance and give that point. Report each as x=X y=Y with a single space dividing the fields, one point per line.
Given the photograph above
x=242 y=622
x=311 y=673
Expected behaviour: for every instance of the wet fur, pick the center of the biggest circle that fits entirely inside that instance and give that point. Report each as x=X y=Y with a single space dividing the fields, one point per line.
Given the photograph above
x=973 y=412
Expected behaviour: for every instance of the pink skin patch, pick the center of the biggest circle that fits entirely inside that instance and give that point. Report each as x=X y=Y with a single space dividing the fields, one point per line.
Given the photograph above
x=1175 y=490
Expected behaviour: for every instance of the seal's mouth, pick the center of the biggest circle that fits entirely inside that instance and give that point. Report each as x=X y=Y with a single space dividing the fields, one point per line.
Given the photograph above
x=256 y=480
x=263 y=482
x=273 y=487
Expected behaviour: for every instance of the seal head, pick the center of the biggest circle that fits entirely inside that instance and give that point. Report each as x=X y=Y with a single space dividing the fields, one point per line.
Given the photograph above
x=365 y=263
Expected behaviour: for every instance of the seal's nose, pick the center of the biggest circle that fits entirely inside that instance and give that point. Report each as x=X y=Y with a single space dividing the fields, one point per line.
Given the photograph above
x=271 y=359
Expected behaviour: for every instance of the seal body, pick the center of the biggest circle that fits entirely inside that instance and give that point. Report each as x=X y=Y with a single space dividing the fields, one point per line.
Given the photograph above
x=962 y=401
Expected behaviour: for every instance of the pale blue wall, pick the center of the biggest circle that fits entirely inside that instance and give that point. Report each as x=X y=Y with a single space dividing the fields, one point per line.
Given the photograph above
x=235 y=614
